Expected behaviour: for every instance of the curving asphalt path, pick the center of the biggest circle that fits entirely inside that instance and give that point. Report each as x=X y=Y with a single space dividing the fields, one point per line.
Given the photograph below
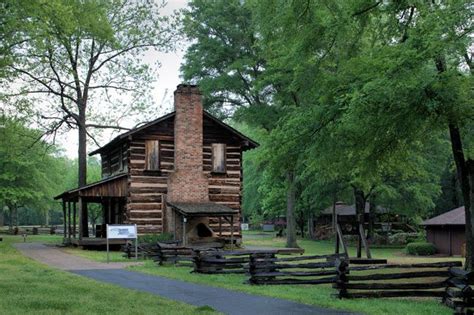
x=223 y=300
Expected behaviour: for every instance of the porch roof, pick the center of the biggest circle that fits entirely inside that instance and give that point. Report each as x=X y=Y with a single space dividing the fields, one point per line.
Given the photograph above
x=114 y=186
x=204 y=209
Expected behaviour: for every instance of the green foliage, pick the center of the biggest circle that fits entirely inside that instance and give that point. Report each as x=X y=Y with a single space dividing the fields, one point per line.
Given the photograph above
x=421 y=249
x=356 y=98
x=223 y=57
x=28 y=173
x=403 y=238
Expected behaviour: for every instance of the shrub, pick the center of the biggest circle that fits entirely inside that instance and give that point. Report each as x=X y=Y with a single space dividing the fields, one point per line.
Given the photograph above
x=403 y=238
x=153 y=238
x=421 y=249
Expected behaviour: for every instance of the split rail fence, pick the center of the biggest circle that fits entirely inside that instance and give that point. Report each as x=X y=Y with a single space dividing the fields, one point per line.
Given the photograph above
x=352 y=278
x=399 y=280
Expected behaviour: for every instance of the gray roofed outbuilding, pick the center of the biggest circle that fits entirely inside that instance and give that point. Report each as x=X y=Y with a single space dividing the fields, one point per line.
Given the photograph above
x=453 y=217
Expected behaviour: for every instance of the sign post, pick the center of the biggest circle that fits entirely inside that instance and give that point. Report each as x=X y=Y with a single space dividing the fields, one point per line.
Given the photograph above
x=122 y=231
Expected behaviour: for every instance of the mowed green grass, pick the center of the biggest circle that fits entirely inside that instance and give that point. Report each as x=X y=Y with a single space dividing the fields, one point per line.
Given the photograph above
x=320 y=295
x=29 y=287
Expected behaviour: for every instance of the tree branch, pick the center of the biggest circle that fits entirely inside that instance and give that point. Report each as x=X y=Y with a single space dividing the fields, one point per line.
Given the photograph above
x=106 y=127
x=365 y=10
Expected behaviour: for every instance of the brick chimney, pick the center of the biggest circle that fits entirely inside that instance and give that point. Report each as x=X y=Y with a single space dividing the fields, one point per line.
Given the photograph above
x=188 y=183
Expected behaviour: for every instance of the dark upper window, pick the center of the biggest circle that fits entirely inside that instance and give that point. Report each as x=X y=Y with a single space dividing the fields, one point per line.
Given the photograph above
x=218 y=158
x=152 y=155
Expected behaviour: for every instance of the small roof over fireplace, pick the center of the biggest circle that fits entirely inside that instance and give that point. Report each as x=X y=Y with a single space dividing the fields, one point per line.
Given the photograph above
x=207 y=209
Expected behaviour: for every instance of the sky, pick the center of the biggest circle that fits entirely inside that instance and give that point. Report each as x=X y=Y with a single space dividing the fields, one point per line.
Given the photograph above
x=168 y=79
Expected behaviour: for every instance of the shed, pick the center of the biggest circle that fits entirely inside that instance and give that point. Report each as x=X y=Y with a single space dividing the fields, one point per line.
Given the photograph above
x=447 y=231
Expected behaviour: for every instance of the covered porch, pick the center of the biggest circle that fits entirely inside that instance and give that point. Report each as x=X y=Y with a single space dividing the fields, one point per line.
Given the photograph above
x=103 y=201
x=191 y=223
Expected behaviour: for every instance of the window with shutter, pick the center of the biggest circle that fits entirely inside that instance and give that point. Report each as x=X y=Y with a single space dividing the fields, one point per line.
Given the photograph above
x=218 y=158
x=152 y=155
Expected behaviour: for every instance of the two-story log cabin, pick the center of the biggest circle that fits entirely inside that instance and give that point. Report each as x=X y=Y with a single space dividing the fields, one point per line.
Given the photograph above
x=181 y=174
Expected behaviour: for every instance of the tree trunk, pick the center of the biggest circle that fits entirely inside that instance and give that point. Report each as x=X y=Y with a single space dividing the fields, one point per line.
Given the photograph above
x=290 y=211
x=334 y=214
x=10 y=224
x=360 y=214
x=454 y=191
x=82 y=161
x=46 y=218
x=2 y=216
x=372 y=208
x=311 y=226
x=465 y=172
x=301 y=223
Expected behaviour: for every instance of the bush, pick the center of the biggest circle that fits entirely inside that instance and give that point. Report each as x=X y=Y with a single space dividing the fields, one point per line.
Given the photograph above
x=421 y=249
x=153 y=238
x=403 y=238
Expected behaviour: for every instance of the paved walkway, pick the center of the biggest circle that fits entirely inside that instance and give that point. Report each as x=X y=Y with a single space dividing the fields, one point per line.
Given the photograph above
x=223 y=300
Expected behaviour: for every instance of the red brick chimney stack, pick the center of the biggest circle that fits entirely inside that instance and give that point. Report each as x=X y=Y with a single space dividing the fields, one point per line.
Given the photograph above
x=188 y=182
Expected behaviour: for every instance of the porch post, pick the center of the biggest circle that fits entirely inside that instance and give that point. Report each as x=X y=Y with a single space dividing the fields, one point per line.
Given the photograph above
x=232 y=232
x=220 y=226
x=69 y=230
x=184 y=230
x=175 y=223
x=64 y=221
x=81 y=220
x=74 y=213
x=84 y=229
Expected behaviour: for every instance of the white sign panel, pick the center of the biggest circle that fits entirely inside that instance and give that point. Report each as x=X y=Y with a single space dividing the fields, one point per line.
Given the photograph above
x=244 y=226
x=116 y=231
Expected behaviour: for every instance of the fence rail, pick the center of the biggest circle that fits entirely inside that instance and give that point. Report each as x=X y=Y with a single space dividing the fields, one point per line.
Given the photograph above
x=364 y=281
x=234 y=262
x=266 y=268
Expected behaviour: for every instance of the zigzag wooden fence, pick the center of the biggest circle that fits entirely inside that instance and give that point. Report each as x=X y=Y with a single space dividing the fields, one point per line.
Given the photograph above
x=393 y=280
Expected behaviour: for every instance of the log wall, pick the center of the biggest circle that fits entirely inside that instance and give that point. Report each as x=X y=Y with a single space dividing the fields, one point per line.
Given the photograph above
x=116 y=160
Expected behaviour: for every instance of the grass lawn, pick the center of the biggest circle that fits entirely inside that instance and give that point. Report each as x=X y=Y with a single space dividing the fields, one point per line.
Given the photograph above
x=27 y=287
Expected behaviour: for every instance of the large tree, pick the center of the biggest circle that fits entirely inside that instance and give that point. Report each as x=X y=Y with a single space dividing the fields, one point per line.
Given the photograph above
x=82 y=58
x=82 y=65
